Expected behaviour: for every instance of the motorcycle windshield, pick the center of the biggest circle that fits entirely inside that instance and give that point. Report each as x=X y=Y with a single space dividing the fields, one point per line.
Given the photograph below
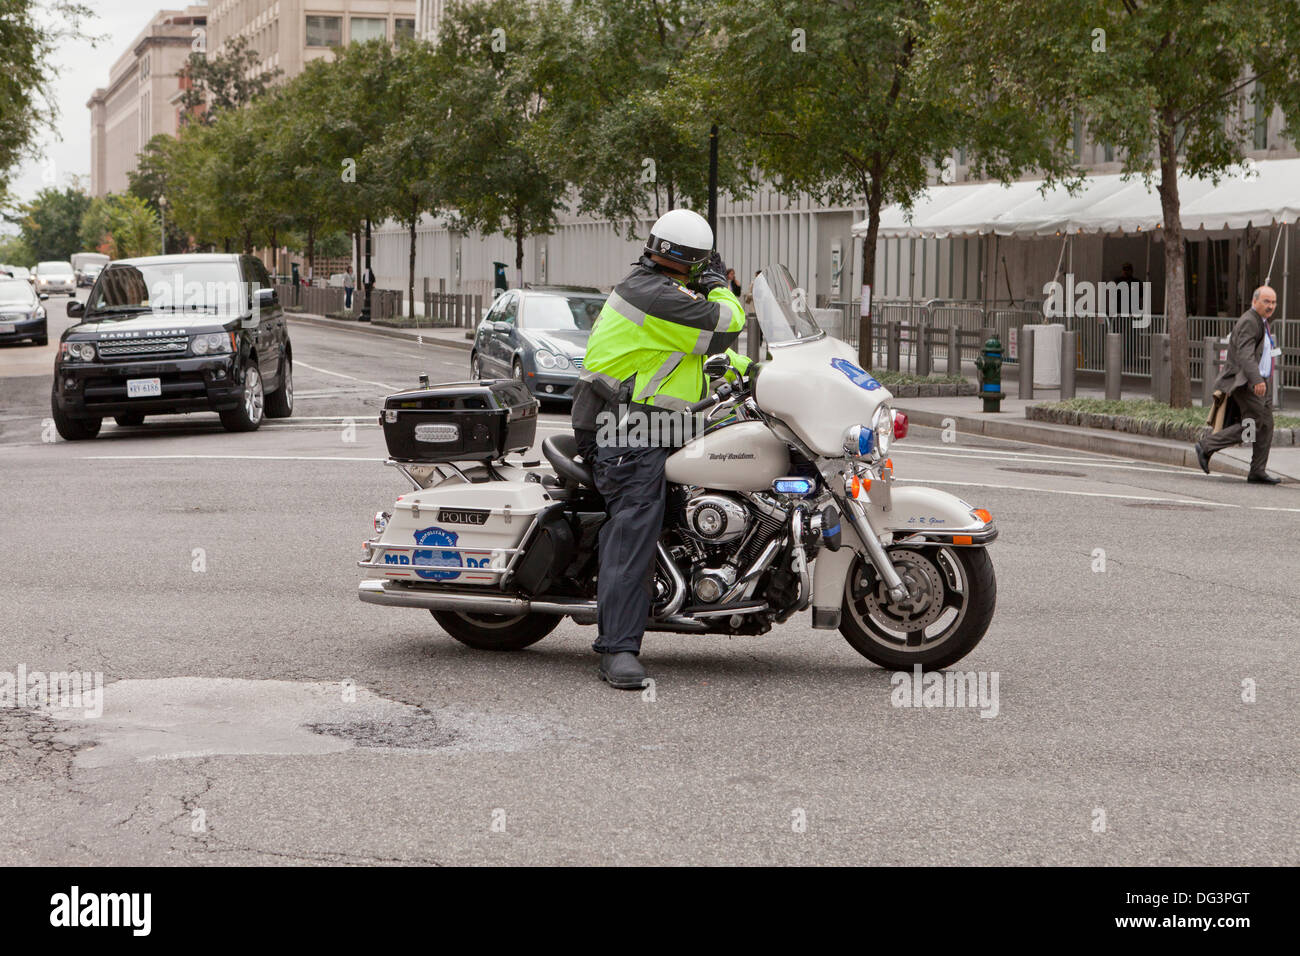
x=782 y=309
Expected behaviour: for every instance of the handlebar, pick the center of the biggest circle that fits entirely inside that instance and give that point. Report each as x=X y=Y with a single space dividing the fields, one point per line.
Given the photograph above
x=723 y=392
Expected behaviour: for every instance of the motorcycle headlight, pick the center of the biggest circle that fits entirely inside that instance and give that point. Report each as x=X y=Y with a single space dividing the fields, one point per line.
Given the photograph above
x=544 y=359
x=882 y=423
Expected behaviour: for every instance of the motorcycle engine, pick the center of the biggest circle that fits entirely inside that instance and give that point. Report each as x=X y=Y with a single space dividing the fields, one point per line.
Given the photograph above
x=728 y=533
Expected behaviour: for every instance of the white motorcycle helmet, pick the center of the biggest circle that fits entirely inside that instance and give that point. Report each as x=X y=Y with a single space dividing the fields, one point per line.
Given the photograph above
x=682 y=236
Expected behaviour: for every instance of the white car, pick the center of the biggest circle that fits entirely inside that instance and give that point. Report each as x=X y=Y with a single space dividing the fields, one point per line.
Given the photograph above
x=55 y=277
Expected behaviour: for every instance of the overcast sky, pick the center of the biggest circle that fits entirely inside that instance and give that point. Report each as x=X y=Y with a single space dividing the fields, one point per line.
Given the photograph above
x=79 y=69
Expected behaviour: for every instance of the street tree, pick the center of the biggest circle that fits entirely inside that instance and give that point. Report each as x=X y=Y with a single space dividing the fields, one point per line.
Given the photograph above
x=32 y=35
x=399 y=162
x=498 y=175
x=120 y=225
x=1174 y=85
x=836 y=100
x=227 y=80
x=631 y=144
x=50 y=222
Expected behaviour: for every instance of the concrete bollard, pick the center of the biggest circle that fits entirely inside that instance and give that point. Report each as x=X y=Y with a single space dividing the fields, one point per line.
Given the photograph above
x=894 y=345
x=1114 y=365
x=1160 y=368
x=1025 y=356
x=1069 y=360
x=1209 y=369
x=954 y=350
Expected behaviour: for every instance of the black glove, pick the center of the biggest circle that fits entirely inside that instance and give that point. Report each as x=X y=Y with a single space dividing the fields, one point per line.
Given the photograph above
x=713 y=275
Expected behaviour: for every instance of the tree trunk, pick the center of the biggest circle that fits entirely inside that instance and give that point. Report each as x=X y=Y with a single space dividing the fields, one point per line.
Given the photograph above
x=874 y=196
x=519 y=248
x=311 y=250
x=410 y=297
x=1180 y=392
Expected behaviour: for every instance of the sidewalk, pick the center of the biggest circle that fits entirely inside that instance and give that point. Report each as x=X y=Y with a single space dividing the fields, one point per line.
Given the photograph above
x=449 y=338
x=963 y=411
x=966 y=415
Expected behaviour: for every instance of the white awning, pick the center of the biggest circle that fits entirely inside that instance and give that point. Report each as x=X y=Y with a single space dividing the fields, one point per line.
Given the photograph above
x=1265 y=193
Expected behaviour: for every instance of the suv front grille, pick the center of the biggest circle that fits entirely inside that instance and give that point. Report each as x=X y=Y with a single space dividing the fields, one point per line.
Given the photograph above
x=159 y=346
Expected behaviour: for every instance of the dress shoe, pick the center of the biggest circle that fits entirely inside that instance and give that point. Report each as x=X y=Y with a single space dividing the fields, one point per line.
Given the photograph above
x=622 y=670
x=1202 y=458
x=1263 y=480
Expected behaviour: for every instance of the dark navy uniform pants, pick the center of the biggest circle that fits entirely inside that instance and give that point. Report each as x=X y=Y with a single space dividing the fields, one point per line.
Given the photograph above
x=631 y=480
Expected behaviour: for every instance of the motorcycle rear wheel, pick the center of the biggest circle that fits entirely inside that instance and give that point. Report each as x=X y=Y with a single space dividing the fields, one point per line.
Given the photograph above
x=955 y=595
x=496 y=632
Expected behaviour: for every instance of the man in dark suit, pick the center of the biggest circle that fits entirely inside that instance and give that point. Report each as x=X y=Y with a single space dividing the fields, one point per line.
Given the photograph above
x=1252 y=358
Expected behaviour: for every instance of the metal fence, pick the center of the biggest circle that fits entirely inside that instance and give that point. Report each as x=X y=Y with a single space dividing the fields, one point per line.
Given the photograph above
x=930 y=321
x=452 y=310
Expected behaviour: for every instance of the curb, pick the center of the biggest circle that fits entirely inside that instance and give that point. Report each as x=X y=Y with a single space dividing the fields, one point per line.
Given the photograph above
x=1064 y=436
x=363 y=328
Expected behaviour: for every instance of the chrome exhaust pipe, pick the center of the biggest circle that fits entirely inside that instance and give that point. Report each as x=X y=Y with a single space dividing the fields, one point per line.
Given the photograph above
x=375 y=591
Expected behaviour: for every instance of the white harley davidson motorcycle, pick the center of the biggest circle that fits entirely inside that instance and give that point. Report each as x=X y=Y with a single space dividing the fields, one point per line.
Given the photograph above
x=784 y=501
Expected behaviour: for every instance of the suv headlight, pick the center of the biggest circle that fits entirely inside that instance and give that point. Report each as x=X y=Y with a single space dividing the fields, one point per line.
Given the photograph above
x=210 y=344
x=80 y=351
x=882 y=423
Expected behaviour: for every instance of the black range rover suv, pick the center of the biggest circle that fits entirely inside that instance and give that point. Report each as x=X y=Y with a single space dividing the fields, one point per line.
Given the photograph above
x=167 y=334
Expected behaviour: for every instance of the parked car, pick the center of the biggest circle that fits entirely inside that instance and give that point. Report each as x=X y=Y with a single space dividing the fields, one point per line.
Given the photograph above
x=54 y=277
x=22 y=316
x=22 y=272
x=537 y=336
x=168 y=334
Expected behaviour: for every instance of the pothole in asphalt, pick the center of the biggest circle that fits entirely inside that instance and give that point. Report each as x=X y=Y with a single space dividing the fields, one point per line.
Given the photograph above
x=176 y=718
x=1046 y=471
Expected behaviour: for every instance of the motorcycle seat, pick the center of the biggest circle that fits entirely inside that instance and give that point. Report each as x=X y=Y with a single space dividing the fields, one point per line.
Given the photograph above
x=562 y=452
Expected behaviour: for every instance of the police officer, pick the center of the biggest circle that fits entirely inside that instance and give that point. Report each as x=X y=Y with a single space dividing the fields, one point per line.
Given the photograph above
x=645 y=364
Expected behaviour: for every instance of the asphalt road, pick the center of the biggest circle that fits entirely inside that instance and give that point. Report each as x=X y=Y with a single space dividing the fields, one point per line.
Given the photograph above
x=256 y=712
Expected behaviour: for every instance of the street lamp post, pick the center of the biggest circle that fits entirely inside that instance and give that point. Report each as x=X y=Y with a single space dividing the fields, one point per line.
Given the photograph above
x=162 y=222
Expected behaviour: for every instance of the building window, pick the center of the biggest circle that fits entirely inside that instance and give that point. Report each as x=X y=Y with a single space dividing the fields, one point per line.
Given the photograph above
x=361 y=29
x=324 y=31
x=1261 y=127
x=403 y=29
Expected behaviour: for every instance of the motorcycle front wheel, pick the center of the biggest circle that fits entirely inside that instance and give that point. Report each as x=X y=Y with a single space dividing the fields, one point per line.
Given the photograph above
x=496 y=632
x=951 y=595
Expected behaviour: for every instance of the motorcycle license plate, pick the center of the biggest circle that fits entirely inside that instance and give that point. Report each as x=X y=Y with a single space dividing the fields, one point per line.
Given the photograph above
x=143 y=387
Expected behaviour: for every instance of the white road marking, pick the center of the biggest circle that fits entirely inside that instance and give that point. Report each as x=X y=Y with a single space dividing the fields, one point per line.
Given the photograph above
x=1040 y=460
x=225 y=458
x=325 y=371
x=1097 y=494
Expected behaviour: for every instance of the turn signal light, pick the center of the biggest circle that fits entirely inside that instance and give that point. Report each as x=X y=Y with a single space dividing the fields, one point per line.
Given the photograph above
x=982 y=514
x=859 y=486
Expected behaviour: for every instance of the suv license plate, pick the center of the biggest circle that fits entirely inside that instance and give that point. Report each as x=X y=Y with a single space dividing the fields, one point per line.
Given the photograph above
x=143 y=387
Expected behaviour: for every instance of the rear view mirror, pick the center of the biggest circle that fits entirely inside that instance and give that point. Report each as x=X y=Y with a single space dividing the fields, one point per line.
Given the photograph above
x=501 y=326
x=716 y=366
x=44 y=295
x=75 y=308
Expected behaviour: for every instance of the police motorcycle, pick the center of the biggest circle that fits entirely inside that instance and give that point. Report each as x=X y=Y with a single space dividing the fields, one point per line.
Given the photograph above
x=782 y=500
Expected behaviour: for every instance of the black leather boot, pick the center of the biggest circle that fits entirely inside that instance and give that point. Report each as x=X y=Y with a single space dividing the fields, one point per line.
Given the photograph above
x=622 y=670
